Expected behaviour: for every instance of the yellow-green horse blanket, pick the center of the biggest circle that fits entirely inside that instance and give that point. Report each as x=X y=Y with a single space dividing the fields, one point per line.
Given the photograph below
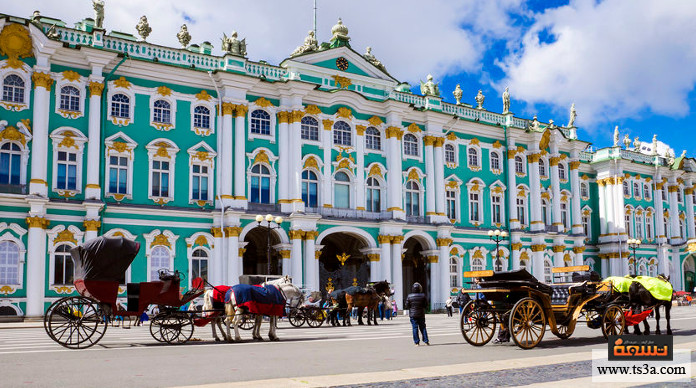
x=658 y=288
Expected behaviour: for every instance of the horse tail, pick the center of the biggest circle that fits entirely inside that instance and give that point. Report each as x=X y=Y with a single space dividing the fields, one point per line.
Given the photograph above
x=207 y=302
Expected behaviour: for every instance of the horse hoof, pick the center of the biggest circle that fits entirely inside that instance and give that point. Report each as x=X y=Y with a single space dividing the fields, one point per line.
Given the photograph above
x=360 y=324
x=657 y=332
x=275 y=339
x=647 y=332
x=259 y=339
x=238 y=339
x=669 y=332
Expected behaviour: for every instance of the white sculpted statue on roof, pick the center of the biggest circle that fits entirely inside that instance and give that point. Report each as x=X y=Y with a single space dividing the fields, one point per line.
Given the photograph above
x=573 y=115
x=506 y=101
x=184 y=36
x=479 y=99
x=430 y=88
x=371 y=58
x=143 y=27
x=98 y=13
x=458 y=93
x=310 y=45
x=232 y=45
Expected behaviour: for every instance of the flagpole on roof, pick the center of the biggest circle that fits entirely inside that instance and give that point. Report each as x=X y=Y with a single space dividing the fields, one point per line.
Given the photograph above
x=315 y=18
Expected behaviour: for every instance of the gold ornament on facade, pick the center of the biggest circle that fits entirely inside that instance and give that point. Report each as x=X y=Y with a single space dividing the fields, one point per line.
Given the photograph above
x=373 y=256
x=311 y=162
x=203 y=96
x=538 y=247
x=533 y=158
x=311 y=235
x=344 y=163
x=162 y=150
x=673 y=189
x=202 y=156
x=511 y=154
x=65 y=236
x=344 y=112
x=342 y=258
x=342 y=82
x=360 y=130
x=516 y=246
x=71 y=76
x=161 y=201
x=68 y=140
x=283 y=117
x=263 y=102
x=384 y=239
x=524 y=256
x=375 y=121
x=240 y=110
x=574 y=165
x=452 y=184
x=232 y=231
x=428 y=140
x=397 y=239
x=554 y=160
x=477 y=254
x=37 y=222
x=164 y=91
x=96 y=88
x=161 y=239
x=122 y=83
x=475 y=188
x=296 y=234
x=375 y=171
x=13 y=134
x=15 y=43
x=295 y=116
x=261 y=157
x=545 y=139
x=7 y=290
x=413 y=175
x=241 y=252
x=451 y=136
x=92 y=225
x=394 y=132
x=439 y=142
x=521 y=193
x=327 y=124
x=567 y=257
x=119 y=146
x=443 y=242
x=285 y=254
x=475 y=141
x=578 y=250
x=43 y=80
x=413 y=128
x=216 y=231
x=558 y=248
x=312 y=110
x=228 y=108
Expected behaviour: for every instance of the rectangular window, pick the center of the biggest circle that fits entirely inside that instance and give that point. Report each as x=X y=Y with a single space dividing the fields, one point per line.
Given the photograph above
x=496 y=201
x=199 y=268
x=67 y=171
x=451 y=204
x=648 y=228
x=636 y=190
x=474 y=207
x=160 y=178
x=627 y=224
x=521 y=210
x=454 y=274
x=118 y=174
x=586 y=225
x=639 y=228
x=199 y=182
x=564 y=215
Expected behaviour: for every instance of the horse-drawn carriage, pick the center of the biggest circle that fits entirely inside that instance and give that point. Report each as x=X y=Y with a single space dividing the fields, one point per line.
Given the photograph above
x=78 y=322
x=524 y=306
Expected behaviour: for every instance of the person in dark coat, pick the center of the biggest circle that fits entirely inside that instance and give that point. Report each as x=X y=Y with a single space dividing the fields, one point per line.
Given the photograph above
x=415 y=304
x=462 y=299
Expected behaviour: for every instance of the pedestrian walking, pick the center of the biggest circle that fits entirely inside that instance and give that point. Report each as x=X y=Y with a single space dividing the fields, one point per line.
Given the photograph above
x=415 y=303
x=448 y=306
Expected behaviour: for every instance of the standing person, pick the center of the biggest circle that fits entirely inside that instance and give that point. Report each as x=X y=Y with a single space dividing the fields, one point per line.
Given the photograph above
x=388 y=309
x=462 y=299
x=448 y=306
x=396 y=310
x=380 y=308
x=415 y=303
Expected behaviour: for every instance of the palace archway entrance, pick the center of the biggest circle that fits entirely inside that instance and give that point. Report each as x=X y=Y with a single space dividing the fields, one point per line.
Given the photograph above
x=255 y=260
x=415 y=268
x=341 y=264
x=689 y=281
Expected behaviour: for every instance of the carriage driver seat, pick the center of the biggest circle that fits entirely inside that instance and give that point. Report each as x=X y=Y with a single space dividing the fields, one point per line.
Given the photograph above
x=560 y=293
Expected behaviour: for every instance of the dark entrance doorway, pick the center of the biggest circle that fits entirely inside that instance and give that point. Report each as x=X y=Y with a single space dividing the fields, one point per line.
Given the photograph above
x=341 y=263
x=254 y=259
x=415 y=268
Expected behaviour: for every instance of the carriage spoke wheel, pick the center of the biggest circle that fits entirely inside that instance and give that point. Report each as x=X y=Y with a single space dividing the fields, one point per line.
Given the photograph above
x=155 y=324
x=565 y=331
x=248 y=321
x=613 y=321
x=477 y=325
x=47 y=316
x=176 y=328
x=75 y=322
x=296 y=318
x=315 y=318
x=527 y=323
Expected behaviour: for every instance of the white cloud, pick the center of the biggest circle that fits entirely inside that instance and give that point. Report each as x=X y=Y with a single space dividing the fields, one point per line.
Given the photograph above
x=412 y=37
x=615 y=59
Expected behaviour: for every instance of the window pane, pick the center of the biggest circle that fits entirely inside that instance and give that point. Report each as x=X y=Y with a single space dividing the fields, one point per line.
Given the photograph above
x=342 y=196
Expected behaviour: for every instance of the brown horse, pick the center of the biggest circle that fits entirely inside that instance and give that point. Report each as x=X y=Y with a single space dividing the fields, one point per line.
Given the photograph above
x=367 y=299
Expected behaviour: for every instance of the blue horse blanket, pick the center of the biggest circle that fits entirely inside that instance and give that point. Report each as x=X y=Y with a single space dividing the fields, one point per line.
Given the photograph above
x=266 y=300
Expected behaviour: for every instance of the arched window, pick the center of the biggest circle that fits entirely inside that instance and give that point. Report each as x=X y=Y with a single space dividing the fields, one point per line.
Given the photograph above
x=120 y=105
x=451 y=203
x=473 y=157
x=9 y=263
x=310 y=188
x=70 y=98
x=342 y=134
x=201 y=117
x=631 y=268
x=545 y=212
x=626 y=189
x=548 y=276
x=477 y=265
x=309 y=128
x=454 y=272
x=412 y=198
x=636 y=190
x=679 y=194
x=13 y=89
x=584 y=192
x=373 y=141
x=162 y=112
x=341 y=190
x=562 y=172
x=410 y=145
x=159 y=259
x=450 y=155
x=495 y=161
x=10 y=164
x=542 y=167
x=652 y=270
x=63 y=268
x=199 y=264
x=524 y=264
x=642 y=269
x=260 y=184
x=260 y=122
x=646 y=192
x=373 y=197
x=519 y=165
x=649 y=227
x=498 y=266
x=639 y=227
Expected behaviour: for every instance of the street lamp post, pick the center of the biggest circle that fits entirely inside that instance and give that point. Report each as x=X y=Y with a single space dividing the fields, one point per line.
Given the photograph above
x=497 y=236
x=633 y=244
x=269 y=227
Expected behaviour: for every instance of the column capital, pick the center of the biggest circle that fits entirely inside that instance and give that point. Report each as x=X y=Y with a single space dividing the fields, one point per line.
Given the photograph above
x=360 y=130
x=42 y=79
x=228 y=108
x=373 y=256
x=384 y=239
x=533 y=158
x=689 y=191
x=328 y=124
x=311 y=235
x=511 y=154
x=216 y=231
x=578 y=249
x=295 y=116
x=516 y=246
x=91 y=225
x=283 y=117
x=439 y=142
x=285 y=253
x=296 y=234
x=553 y=161
x=37 y=222
x=232 y=231
x=240 y=110
x=428 y=140
x=397 y=239
x=96 y=88
x=558 y=248
x=673 y=188
x=444 y=242
x=538 y=247
x=394 y=132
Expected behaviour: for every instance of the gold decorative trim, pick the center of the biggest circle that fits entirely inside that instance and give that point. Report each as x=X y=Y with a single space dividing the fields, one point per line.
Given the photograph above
x=91 y=225
x=15 y=42
x=122 y=83
x=232 y=231
x=161 y=239
x=360 y=130
x=394 y=132
x=96 y=88
x=328 y=124
x=261 y=157
x=263 y=102
x=342 y=82
x=71 y=75
x=203 y=96
x=240 y=110
x=312 y=110
x=375 y=121
x=413 y=128
x=216 y=231
x=344 y=112
x=65 y=236
x=13 y=134
x=538 y=247
x=164 y=91
x=444 y=242
x=283 y=117
x=558 y=248
x=43 y=80
x=37 y=222
x=516 y=246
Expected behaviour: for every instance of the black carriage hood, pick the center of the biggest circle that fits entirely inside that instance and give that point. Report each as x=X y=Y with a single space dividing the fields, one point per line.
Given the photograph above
x=104 y=258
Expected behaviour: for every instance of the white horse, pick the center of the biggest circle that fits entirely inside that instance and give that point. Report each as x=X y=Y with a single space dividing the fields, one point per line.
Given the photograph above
x=234 y=314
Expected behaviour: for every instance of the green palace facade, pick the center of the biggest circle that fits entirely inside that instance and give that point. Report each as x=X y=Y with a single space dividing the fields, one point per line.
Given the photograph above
x=102 y=133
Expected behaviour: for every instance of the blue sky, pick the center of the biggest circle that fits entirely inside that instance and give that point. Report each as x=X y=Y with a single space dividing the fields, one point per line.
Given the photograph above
x=629 y=63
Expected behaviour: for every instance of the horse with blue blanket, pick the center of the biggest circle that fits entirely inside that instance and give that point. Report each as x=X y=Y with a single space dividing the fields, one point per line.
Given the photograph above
x=266 y=299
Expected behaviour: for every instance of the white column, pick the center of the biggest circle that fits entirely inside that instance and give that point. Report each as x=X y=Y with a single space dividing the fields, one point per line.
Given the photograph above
x=36 y=265
x=538 y=247
x=619 y=210
x=326 y=197
x=226 y=153
x=575 y=200
x=673 y=209
x=578 y=249
x=430 y=195
x=556 y=190
x=311 y=274
x=660 y=231
x=515 y=254
x=284 y=164
x=385 y=257
x=397 y=275
x=514 y=221
x=439 y=176
x=39 y=147
x=92 y=189
x=395 y=188
x=360 y=170
x=444 y=282
x=239 y=154
x=375 y=267
x=216 y=276
x=91 y=229
x=677 y=274
x=689 y=202
x=435 y=283
x=604 y=267
x=295 y=262
x=295 y=157
x=232 y=259
x=534 y=192
x=558 y=249
x=610 y=205
x=602 y=198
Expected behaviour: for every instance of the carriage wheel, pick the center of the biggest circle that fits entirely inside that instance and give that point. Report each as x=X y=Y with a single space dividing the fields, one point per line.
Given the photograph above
x=296 y=318
x=47 y=315
x=155 y=324
x=315 y=318
x=613 y=321
x=477 y=325
x=176 y=328
x=565 y=331
x=75 y=322
x=248 y=321
x=527 y=323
